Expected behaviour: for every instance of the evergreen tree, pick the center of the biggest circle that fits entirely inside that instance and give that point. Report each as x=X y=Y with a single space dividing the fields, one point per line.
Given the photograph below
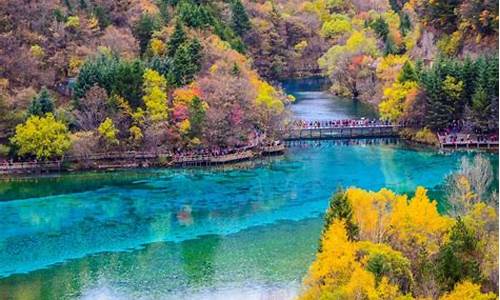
x=195 y=52
x=127 y=79
x=164 y=14
x=395 y=6
x=194 y=14
x=186 y=63
x=40 y=105
x=144 y=28
x=381 y=28
x=391 y=47
x=481 y=110
x=102 y=17
x=469 y=76
x=456 y=259
x=196 y=116
x=440 y=112
x=160 y=64
x=240 y=22
x=235 y=71
x=177 y=39
x=340 y=209
x=408 y=73
x=405 y=24
x=115 y=75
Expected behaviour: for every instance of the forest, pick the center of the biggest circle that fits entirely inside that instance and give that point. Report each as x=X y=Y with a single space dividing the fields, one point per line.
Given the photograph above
x=187 y=74
x=381 y=245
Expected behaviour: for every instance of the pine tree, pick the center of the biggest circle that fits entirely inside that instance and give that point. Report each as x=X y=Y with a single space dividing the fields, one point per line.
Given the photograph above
x=405 y=24
x=196 y=116
x=440 y=112
x=143 y=30
x=240 y=22
x=456 y=260
x=185 y=64
x=164 y=14
x=41 y=104
x=194 y=14
x=469 y=76
x=408 y=73
x=481 y=109
x=177 y=39
x=390 y=46
x=195 y=52
x=381 y=28
x=340 y=209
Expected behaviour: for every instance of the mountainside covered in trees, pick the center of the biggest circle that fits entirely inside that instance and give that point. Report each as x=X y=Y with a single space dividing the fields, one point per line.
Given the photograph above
x=424 y=62
x=182 y=73
x=120 y=75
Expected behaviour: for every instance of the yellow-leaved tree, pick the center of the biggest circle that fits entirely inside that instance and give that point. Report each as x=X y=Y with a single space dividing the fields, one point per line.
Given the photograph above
x=348 y=270
x=108 y=132
x=43 y=137
x=155 y=96
x=392 y=106
x=468 y=290
x=380 y=245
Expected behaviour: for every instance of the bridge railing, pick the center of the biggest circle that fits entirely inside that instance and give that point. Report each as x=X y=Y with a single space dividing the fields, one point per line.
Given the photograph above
x=351 y=123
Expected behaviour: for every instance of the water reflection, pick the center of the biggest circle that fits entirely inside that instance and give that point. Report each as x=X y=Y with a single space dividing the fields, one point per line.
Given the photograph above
x=314 y=102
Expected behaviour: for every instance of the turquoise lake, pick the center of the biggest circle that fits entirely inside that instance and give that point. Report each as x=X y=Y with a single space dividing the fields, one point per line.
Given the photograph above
x=247 y=231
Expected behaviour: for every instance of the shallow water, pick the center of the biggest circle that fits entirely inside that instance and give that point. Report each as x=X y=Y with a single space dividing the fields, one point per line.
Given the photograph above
x=203 y=232
x=248 y=231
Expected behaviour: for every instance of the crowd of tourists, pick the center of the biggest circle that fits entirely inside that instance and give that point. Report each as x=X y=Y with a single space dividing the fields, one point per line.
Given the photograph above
x=303 y=124
x=461 y=132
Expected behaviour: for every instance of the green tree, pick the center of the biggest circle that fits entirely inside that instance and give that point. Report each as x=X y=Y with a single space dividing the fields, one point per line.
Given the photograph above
x=177 y=39
x=144 y=28
x=240 y=22
x=408 y=73
x=456 y=259
x=186 y=63
x=390 y=47
x=440 y=110
x=42 y=137
x=481 y=110
x=196 y=116
x=405 y=24
x=115 y=75
x=40 y=105
x=194 y=14
x=164 y=14
x=102 y=16
x=340 y=209
x=381 y=28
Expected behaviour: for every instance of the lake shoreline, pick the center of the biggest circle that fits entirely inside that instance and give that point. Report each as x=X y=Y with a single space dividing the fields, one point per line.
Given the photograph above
x=250 y=156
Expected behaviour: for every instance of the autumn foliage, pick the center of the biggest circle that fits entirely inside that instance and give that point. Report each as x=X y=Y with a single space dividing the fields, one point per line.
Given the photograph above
x=399 y=250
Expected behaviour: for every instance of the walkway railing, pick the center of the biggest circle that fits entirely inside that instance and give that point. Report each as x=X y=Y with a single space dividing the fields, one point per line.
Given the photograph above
x=348 y=123
x=341 y=129
x=134 y=159
x=464 y=140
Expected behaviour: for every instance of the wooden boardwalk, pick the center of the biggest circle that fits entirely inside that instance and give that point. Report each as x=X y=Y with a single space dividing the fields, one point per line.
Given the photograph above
x=137 y=159
x=343 y=132
x=467 y=141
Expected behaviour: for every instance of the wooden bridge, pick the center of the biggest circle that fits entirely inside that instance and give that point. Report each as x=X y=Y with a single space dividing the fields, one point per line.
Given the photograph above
x=342 y=132
x=461 y=140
